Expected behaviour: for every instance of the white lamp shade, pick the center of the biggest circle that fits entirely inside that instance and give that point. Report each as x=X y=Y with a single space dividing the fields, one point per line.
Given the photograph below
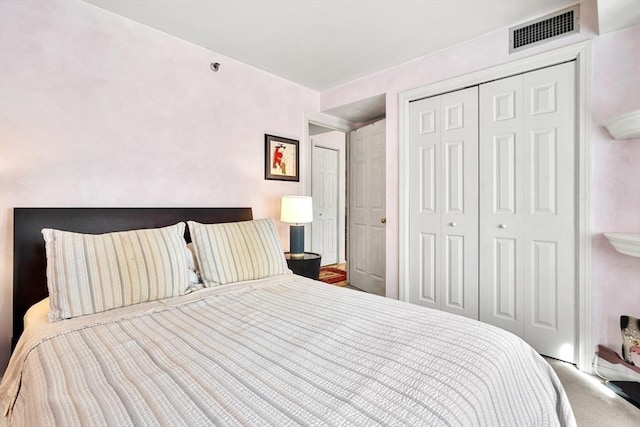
x=296 y=209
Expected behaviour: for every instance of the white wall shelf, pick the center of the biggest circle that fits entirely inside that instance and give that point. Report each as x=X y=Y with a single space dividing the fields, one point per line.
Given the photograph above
x=625 y=243
x=626 y=126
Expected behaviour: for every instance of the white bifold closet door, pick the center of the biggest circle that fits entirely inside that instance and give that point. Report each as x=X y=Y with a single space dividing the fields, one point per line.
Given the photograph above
x=443 y=202
x=527 y=204
x=492 y=205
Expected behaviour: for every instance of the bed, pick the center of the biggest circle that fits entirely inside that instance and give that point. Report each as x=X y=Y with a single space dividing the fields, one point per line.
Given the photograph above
x=252 y=344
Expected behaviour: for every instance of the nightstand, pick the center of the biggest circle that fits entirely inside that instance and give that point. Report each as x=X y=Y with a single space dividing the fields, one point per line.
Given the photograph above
x=309 y=266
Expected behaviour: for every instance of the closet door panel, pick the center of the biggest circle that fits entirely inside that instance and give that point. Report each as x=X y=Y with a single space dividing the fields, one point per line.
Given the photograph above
x=427 y=182
x=544 y=285
x=504 y=179
x=426 y=279
x=455 y=273
x=500 y=177
x=504 y=279
x=443 y=202
x=454 y=177
x=425 y=201
x=527 y=234
x=459 y=219
x=549 y=238
x=543 y=166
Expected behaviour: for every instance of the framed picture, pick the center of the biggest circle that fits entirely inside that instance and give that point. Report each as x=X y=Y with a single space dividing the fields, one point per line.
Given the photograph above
x=281 y=159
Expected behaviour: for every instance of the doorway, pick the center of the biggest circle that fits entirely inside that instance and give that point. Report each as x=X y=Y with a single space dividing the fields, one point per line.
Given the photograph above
x=319 y=127
x=328 y=189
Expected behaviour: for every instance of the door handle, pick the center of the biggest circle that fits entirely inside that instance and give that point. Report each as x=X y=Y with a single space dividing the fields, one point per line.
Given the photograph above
x=383 y=220
x=503 y=225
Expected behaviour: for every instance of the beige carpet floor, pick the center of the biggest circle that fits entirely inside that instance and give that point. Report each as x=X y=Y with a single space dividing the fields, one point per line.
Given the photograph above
x=593 y=403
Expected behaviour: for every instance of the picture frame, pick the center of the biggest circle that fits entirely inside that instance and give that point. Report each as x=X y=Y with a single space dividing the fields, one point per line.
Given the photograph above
x=281 y=158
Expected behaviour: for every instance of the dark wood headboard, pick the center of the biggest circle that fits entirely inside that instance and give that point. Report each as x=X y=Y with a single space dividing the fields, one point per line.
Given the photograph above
x=29 y=258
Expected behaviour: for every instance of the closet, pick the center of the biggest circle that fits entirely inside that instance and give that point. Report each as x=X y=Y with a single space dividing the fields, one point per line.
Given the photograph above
x=492 y=205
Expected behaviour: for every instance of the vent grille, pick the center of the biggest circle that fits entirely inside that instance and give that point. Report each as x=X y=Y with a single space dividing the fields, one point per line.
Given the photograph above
x=544 y=29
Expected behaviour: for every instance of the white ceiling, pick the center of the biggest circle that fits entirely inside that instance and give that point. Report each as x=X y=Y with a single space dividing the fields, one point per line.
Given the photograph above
x=321 y=44
x=617 y=14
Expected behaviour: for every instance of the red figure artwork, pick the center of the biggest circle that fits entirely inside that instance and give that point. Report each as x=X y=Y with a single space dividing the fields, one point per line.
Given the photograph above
x=281 y=158
x=277 y=156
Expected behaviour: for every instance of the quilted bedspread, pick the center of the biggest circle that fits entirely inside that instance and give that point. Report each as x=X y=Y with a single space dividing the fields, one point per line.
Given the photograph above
x=279 y=351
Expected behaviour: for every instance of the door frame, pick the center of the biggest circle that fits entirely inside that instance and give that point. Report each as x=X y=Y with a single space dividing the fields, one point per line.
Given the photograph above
x=581 y=53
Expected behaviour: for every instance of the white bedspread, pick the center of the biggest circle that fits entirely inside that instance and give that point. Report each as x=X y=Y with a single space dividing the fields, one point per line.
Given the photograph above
x=279 y=351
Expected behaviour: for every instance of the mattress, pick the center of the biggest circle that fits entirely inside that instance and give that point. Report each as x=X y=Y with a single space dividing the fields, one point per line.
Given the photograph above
x=283 y=350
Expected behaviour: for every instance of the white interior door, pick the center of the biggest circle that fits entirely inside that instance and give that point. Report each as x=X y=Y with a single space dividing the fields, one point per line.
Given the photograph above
x=366 y=244
x=443 y=202
x=325 y=204
x=527 y=207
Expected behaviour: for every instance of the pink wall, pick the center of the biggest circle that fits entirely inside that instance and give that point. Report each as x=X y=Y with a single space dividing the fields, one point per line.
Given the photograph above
x=616 y=165
x=97 y=110
x=616 y=182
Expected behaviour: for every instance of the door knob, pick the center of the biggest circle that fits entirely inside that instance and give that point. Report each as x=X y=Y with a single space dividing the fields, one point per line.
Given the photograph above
x=383 y=220
x=452 y=224
x=503 y=225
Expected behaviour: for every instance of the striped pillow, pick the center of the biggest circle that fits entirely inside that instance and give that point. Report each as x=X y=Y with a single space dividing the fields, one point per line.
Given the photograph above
x=88 y=273
x=237 y=251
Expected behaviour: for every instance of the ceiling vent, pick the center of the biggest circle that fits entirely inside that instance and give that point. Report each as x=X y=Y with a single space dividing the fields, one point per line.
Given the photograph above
x=550 y=27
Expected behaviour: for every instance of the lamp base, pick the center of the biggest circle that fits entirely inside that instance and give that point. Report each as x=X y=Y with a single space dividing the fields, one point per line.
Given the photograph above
x=296 y=241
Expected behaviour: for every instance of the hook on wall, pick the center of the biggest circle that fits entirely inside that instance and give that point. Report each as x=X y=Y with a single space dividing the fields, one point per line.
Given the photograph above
x=215 y=66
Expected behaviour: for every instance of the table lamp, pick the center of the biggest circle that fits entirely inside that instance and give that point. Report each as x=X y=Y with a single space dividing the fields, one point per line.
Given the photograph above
x=296 y=210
